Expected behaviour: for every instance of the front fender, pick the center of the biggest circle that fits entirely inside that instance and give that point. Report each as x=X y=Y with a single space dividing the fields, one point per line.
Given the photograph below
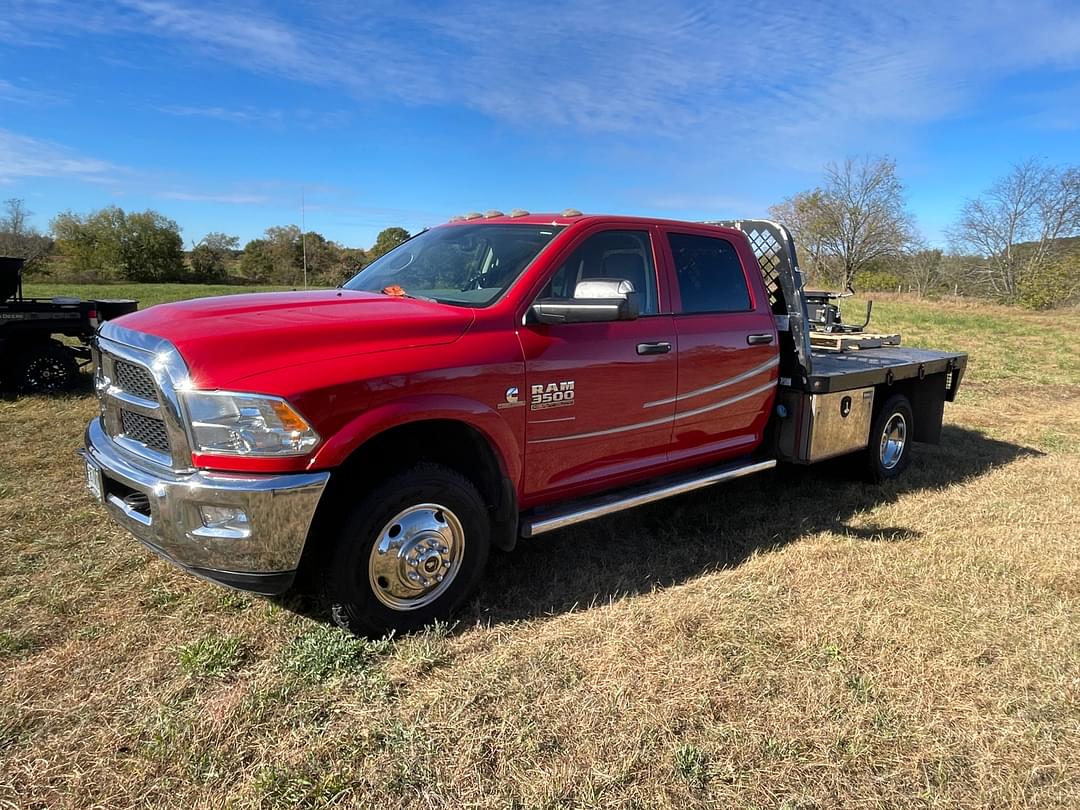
x=423 y=408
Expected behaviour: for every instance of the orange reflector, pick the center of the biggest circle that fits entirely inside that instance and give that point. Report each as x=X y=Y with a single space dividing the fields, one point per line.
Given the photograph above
x=290 y=419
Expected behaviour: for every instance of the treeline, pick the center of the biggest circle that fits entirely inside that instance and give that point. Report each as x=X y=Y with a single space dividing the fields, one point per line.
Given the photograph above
x=1016 y=243
x=145 y=246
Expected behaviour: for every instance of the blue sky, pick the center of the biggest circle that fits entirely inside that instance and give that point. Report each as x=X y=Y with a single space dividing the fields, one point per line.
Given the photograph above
x=386 y=113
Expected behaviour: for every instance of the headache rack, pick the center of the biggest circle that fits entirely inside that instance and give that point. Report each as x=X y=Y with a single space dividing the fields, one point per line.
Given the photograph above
x=775 y=251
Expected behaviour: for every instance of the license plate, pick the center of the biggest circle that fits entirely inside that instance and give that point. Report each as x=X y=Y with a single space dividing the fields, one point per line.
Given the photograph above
x=93 y=481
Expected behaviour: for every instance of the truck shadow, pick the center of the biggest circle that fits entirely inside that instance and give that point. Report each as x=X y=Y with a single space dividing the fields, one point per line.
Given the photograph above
x=671 y=542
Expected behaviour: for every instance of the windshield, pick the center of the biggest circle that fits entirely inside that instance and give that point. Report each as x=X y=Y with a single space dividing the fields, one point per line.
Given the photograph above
x=467 y=265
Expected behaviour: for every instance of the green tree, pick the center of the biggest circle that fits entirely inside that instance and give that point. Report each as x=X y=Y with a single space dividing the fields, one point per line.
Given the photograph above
x=256 y=264
x=210 y=256
x=387 y=240
x=141 y=246
x=151 y=248
x=287 y=255
x=90 y=244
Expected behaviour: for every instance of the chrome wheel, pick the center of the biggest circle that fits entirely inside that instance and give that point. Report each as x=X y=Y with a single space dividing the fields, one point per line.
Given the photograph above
x=416 y=556
x=893 y=441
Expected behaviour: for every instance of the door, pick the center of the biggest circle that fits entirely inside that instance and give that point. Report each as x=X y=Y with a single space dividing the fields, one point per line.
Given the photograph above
x=728 y=356
x=588 y=384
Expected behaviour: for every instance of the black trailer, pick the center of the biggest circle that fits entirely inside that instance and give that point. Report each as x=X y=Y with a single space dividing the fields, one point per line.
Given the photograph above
x=32 y=359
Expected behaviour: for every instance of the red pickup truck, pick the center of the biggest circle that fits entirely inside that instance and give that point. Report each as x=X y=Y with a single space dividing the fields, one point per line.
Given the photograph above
x=497 y=377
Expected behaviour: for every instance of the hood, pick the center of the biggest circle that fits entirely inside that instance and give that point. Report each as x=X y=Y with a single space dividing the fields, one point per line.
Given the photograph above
x=230 y=337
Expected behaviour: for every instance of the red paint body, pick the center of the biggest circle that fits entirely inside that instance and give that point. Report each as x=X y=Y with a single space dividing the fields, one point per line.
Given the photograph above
x=356 y=364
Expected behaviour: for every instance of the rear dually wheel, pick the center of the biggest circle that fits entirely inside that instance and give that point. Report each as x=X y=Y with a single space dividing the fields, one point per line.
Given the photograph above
x=888 y=452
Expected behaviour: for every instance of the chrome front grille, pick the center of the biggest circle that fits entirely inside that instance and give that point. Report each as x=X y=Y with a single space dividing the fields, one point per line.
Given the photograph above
x=145 y=430
x=135 y=380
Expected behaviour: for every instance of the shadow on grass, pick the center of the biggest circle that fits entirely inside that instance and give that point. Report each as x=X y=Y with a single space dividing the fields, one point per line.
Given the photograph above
x=673 y=541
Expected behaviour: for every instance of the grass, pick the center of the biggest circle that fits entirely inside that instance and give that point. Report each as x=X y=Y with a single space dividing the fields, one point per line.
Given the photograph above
x=212 y=656
x=785 y=641
x=146 y=294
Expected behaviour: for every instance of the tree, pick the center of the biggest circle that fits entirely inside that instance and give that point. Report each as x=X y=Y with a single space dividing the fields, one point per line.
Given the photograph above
x=21 y=240
x=856 y=219
x=209 y=257
x=387 y=240
x=89 y=244
x=280 y=254
x=924 y=270
x=802 y=215
x=1016 y=229
x=151 y=248
x=256 y=264
x=141 y=246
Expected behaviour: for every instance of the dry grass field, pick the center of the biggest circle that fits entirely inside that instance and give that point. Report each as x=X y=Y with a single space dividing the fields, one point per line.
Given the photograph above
x=789 y=641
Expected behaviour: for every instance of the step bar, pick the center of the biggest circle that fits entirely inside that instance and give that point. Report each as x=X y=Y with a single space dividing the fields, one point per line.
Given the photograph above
x=580 y=511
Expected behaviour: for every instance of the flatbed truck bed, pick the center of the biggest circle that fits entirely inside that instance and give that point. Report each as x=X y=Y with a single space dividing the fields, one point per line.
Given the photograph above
x=843 y=371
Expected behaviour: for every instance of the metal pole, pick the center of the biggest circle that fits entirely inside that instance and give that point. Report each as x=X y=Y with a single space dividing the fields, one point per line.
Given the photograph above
x=303 y=235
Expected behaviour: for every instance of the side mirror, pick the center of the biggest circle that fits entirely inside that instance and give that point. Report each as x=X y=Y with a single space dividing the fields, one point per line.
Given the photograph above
x=596 y=300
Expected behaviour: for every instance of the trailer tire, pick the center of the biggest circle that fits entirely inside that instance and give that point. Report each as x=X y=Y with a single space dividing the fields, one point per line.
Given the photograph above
x=408 y=553
x=888 y=452
x=47 y=367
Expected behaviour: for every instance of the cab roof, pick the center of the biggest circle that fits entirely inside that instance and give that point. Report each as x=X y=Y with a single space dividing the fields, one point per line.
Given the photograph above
x=576 y=218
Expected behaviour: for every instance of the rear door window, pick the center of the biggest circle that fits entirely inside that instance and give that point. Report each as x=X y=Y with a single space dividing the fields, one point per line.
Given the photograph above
x=710 y=275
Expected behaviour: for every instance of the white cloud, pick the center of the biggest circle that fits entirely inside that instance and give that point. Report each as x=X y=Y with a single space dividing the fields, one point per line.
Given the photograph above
x=19 y=94
x=234 y=115
x=224 y=198
x=22 y=156
x=757 y=77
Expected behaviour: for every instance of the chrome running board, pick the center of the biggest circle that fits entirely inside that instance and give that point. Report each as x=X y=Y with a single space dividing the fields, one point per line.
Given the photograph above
x=580 y=511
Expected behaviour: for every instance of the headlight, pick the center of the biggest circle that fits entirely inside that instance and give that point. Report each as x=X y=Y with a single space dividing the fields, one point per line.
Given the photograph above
x=247 y=425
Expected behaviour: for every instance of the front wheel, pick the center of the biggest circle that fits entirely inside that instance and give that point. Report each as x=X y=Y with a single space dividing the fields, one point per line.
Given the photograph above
x=409 y=552
x=891 y=433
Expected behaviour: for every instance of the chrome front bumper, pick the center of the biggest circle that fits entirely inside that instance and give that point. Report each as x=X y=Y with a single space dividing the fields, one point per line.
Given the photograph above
x=162 y=509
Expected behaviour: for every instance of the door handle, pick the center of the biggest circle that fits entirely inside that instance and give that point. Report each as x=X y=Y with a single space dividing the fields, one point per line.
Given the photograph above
x=659 y=347
x=759 y=340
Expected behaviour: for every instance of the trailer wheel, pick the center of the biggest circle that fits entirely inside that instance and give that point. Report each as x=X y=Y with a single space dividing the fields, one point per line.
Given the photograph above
x=408 y=553
x=45 y=368
x=891 y=433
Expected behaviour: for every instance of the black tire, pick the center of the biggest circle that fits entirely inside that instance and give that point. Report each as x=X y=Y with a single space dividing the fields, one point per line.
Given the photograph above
x=45 y=368
x=353 y=571
x=887 y=456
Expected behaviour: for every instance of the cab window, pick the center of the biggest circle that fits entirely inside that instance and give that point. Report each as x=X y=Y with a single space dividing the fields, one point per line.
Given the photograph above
x=709 y=273
x=610 y=254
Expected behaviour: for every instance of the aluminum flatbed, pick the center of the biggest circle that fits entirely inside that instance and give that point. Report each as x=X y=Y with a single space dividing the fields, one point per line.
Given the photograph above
x=844 y=371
